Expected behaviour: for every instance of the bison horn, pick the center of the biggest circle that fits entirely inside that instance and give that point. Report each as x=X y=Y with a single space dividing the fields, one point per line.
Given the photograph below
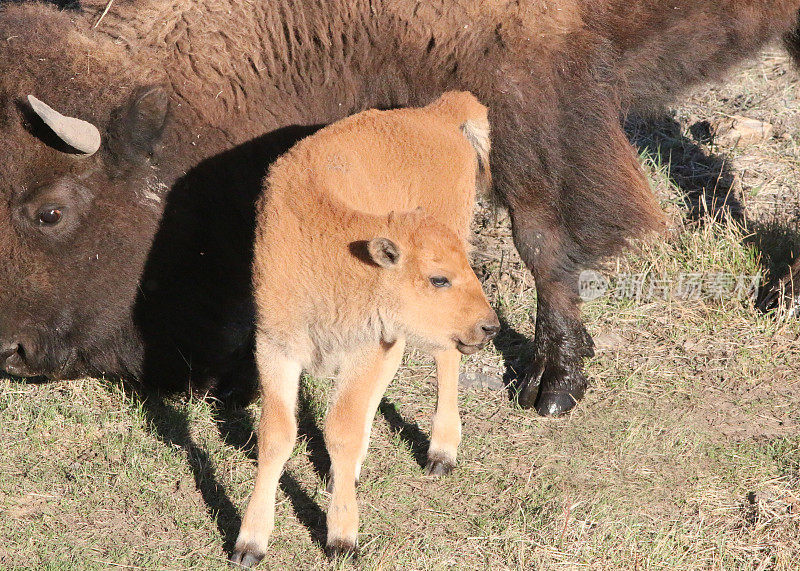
x=78 y=134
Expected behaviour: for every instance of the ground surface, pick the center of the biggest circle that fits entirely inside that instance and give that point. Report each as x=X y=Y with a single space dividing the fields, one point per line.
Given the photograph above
x=685 y=453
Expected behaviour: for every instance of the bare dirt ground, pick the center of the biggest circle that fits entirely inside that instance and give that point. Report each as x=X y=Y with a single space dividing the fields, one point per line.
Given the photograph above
x=685 y=453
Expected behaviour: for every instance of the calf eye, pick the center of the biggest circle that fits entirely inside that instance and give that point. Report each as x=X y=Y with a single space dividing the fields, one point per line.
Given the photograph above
x=440 y=281
x=49 y=216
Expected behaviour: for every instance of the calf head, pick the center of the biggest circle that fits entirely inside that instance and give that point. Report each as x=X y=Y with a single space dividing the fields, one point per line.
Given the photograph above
x=426 y=280
x=78 y=200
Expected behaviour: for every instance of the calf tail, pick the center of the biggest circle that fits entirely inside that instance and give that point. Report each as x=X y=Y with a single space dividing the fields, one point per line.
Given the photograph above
x=473 y=119
x=477 y=133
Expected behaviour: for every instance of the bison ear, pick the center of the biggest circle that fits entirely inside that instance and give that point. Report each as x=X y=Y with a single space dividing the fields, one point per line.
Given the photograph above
x=134 y=134
x=383 y=252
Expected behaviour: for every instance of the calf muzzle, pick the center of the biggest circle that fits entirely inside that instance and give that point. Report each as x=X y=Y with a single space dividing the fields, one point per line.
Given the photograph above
x=483 y=332
x=490 y=328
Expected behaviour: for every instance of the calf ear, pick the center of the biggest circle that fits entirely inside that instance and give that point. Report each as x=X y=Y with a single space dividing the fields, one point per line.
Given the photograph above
x=383 y=252
x=134 y=134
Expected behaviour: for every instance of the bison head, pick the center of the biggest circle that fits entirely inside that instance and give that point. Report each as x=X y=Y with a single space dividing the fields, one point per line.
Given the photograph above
x=80 y=197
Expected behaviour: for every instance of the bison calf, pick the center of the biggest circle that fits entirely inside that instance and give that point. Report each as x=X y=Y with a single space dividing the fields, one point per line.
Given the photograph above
x=361 y=246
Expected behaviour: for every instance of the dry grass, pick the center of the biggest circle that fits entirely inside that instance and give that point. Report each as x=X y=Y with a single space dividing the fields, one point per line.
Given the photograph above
x=685 y=453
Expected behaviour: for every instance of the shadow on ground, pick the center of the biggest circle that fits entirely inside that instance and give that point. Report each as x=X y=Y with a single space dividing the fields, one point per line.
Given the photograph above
x=710 y=188
x=171 y=425
x=518 y=352
x=409 y=432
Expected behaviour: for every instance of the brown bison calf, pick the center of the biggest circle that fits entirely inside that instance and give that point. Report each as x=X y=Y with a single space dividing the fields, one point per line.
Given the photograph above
x=360 y=246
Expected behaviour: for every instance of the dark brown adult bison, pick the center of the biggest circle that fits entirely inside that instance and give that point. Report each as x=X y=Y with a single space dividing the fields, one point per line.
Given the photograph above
x=134 y=260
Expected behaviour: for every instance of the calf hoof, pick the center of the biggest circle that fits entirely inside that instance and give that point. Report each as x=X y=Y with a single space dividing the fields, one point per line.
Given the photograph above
x=341 y=548
x=556 y=403
x=246 y=556
x=439 y=465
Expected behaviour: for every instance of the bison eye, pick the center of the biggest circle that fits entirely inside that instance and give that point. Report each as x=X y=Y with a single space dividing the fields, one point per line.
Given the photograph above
x=49 y=216
x=440 y=281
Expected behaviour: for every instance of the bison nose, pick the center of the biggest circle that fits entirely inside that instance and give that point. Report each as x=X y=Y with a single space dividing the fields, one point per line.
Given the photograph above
x=7 y=351
x=490 y=328
x=12 y=358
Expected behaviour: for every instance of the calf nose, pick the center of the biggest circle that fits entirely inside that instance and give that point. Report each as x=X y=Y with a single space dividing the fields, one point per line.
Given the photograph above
x=490 y=328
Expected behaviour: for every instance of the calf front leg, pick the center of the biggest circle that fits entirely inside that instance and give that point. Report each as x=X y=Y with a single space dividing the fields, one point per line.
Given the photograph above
x=347 y=431
x=446 y=427
x=392 y=356
x=277 y=431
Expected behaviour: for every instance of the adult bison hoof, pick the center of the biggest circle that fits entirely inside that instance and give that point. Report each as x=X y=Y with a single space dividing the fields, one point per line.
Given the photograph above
x=528 y=391
x=552 y=395
x=556 y=403
x=246 y=556
x=556 y=382
x=341 y=548
x=439 y=465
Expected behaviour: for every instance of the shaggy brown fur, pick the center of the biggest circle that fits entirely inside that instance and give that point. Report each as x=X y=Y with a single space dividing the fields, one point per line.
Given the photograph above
x=361 y=240
x=146 y=275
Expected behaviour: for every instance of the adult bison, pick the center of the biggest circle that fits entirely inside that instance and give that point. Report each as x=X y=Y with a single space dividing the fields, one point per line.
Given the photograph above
x=134 y=260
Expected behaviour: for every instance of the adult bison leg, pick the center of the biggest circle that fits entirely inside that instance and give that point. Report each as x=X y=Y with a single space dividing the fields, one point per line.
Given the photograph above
x=576 y=194
x=555 y=381
x=791 y=40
